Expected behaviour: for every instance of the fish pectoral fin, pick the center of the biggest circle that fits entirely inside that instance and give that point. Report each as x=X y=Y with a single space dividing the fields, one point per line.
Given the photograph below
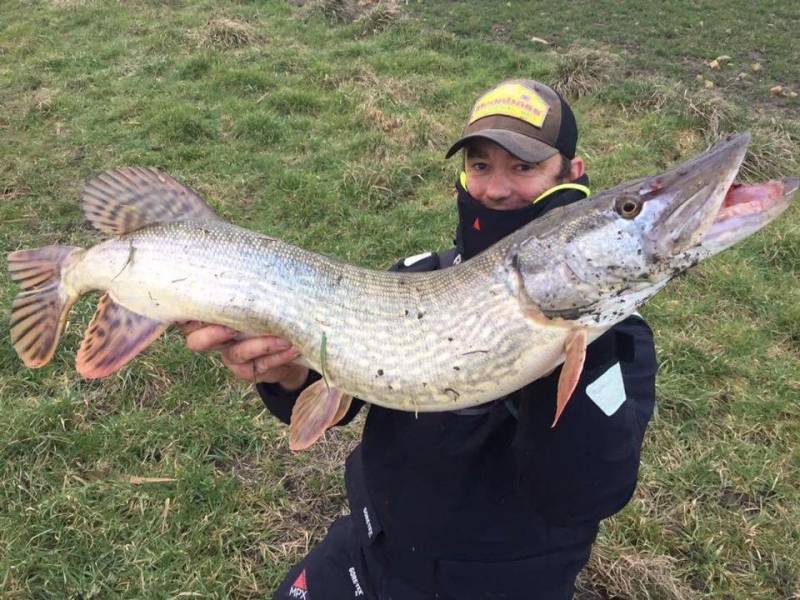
x=345 y=400
x=115 y=335
x=575 y=355
x=123 y=200
x=318 y=408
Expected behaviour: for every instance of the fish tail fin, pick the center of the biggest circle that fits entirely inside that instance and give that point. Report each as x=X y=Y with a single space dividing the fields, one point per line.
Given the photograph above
x=39 y=312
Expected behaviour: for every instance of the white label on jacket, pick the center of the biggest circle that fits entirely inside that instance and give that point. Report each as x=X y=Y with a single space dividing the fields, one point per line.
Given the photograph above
x=368 y=523
x=608 y=390
x=356 y=584
x=416 y=258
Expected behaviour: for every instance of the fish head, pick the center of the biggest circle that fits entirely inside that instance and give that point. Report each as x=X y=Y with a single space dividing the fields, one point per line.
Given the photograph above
x=617 y=249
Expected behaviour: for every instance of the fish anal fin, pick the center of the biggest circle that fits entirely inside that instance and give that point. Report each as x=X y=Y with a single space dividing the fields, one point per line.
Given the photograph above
x=115 y=335
x=123 y=200
x=317 y=408
x=574 y=357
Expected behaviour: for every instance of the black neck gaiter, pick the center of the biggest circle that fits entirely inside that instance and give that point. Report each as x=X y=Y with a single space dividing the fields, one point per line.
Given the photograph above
x=479 y=227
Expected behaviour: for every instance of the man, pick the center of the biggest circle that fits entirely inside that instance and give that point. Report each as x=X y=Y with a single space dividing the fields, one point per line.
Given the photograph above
x=488 y=502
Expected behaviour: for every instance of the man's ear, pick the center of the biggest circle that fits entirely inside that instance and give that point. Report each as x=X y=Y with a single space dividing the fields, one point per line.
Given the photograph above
x=577 y=168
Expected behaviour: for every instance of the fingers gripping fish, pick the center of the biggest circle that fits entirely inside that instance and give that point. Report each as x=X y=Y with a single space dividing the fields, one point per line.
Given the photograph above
x=435 y=341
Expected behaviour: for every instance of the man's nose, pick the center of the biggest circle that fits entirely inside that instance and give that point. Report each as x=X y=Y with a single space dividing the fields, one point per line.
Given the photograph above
x=498 y=187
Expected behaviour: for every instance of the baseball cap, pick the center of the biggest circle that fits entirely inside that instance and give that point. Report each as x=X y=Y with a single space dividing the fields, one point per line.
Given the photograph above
x=524 y=117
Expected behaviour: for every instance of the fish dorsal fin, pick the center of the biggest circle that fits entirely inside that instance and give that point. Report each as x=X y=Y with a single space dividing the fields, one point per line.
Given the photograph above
x=123 y=200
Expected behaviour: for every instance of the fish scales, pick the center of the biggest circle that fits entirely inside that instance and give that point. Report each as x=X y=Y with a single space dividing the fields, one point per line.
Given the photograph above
x=432 y=340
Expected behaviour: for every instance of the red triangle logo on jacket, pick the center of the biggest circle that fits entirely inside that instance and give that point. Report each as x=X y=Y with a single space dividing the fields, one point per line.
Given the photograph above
x=300 y=582
x=477 y=224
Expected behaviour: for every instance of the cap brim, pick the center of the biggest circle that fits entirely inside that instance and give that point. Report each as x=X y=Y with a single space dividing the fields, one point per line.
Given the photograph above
x=522 y=146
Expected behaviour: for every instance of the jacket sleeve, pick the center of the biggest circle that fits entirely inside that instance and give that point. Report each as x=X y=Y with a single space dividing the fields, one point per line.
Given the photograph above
x=586 y=468
x=280 y=402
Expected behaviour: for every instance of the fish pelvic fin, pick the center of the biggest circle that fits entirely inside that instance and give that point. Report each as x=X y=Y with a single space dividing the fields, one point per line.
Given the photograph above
x=115 y=335
x=318 y=408
x=574 y=357
x=39 y=312
x=123 y=200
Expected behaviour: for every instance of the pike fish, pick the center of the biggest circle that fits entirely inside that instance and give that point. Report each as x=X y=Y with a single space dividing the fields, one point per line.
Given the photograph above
x=434 y=341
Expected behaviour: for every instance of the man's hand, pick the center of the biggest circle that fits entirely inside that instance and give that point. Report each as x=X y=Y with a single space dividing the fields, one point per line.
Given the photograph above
x=266 y=359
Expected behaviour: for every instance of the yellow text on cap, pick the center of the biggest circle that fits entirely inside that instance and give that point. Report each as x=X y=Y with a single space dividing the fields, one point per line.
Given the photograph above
x=511 y=100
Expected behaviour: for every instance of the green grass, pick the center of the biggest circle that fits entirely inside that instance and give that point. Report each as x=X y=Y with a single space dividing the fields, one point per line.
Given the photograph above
x=326 y=126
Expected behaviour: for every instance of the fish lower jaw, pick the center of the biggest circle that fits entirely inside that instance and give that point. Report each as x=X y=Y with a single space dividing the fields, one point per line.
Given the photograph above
x=747 y=208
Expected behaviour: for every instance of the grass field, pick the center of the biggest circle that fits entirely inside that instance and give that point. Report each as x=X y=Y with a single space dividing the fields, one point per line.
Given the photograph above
x=324 y=123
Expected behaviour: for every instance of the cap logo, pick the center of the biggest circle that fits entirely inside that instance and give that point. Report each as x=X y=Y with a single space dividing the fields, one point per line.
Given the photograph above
x=511 y=100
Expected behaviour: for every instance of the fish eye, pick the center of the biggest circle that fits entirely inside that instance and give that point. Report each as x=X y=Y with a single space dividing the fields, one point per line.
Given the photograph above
x=628 y=208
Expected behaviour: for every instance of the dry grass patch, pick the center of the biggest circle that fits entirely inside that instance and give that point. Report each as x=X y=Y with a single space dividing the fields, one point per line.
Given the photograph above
x=628 y=573
x=770 y=154
x=312 y=480
x=653 y=94
x=42 y=100
x=71 y=4
x=376 y=116
x=377 y=95
x=687 y=140
x=12 y=190
x=581 y=71
x=424 y=131
x=334 y=11
x=429 y=132
x=371 y=16
x=717 y=116
x=378 y=17
x=223 y=33
x=363 y=81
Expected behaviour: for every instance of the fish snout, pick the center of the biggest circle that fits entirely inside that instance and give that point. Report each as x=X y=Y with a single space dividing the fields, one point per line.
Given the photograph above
x=688 y=197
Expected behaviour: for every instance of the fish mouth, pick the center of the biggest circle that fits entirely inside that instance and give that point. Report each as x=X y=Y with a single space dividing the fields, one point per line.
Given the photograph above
x=682 y=204
x=746 y=208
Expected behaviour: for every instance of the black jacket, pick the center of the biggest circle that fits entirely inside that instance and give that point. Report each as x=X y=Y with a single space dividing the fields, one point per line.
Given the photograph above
x=494 y=492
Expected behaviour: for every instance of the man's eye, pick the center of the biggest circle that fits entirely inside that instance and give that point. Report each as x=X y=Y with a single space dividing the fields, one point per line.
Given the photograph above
x=525 y=167
x=478 y=166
